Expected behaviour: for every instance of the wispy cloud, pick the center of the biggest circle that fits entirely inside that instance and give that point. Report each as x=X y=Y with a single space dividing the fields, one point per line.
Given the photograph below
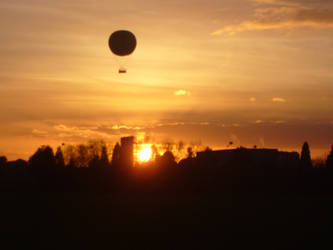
x=253 y=99
x=77 y=132
x=39 y=133
x=278 y=99
x=118 y=127
x=280 y=14
x=280 y=122
x=182 y=92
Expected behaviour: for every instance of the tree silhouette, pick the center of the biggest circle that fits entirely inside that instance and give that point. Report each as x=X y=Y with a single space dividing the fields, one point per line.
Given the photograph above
x=59 y=158
x=104 y=156
x=3 y=161
x=329 y=161
x=116 y=155
x=82 y=158
x=208 y=149
x=155 y=153
x=19 y=163
x=167 y=160
x=70 y=155
x=43 y=158
x=306 y=157
x=71 y=163
x=189 y=153
x=95 y=162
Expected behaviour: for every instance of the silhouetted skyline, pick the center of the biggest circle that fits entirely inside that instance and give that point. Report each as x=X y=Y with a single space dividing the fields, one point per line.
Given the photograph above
x=252 y=71
x=129 y=152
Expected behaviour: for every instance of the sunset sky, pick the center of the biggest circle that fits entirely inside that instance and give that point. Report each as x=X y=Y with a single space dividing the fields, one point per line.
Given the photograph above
x=255 y=72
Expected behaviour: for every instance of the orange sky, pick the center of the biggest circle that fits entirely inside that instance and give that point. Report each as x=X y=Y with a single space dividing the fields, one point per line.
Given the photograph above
x=258 y=72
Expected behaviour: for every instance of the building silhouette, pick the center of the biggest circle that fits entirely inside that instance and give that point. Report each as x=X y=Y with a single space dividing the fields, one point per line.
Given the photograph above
x=245 y=157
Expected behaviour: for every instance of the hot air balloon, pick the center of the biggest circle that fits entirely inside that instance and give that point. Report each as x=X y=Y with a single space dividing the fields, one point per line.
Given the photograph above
x=122 y=43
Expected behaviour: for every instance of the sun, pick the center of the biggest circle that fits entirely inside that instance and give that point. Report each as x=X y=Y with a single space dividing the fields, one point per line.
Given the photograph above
x=145 y=153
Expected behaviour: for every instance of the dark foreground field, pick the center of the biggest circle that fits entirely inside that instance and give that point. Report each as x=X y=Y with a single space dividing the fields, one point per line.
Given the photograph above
x=223 y=213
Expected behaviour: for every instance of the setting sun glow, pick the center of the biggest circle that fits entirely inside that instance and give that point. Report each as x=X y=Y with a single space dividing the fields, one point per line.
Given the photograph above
x=145 y=153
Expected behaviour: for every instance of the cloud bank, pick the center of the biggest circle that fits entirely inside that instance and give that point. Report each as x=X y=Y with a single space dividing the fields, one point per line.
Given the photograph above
x=281 y=14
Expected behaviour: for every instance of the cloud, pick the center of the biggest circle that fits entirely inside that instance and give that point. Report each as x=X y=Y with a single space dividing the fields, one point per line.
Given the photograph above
x=282 y=2
x=281 y=14
x=168 y=124
x=253 y=99
x=295 y=2
x=182 y=92
x=77 y=132
x=39 y=133
x=259 y=121
x=118 y=127
x=278 y=99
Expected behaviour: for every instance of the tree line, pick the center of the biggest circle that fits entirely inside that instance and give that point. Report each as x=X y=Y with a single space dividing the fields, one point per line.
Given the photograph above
x=96 y=154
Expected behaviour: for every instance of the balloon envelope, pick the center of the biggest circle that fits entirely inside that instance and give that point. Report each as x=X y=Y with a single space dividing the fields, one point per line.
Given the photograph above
x=122 y=42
